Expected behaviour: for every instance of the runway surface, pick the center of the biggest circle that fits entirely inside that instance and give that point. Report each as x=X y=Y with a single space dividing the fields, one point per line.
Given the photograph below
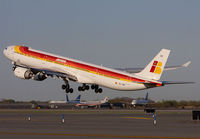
x=97 y=124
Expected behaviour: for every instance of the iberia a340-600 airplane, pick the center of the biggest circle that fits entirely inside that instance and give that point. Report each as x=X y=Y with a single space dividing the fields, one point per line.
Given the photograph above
x=37 y=65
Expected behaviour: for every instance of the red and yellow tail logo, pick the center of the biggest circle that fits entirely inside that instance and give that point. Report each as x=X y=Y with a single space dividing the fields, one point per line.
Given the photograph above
x=156 y=67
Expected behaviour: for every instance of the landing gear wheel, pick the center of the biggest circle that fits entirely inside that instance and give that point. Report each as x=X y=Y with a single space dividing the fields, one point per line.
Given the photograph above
x=96 y=87
x=71 y=90
x=100 y=90
x=87 y=87
x=79 y=88
x=96 y=90
x=83 y=87
x=92 y=86
x=63 y=87
x=67 y=90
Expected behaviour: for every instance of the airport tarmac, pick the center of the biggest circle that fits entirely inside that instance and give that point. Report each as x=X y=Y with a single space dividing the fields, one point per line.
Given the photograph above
x=97 y=124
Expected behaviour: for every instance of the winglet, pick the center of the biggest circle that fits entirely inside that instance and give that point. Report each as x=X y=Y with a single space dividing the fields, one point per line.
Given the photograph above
x=186 y=64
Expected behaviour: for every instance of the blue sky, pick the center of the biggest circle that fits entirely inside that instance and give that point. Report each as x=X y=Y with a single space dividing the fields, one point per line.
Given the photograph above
x=114 y=33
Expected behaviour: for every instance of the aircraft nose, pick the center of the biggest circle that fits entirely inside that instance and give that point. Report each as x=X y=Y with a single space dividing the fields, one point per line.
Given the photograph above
x=4 y=51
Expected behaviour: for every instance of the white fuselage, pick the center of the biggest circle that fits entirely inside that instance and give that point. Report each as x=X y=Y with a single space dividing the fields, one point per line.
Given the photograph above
x=57 y=102
x=81 y=75
x=139 y=102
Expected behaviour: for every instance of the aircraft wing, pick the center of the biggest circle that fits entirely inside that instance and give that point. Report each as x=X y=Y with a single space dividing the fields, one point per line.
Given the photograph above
x=53 y=74
x=136 y=70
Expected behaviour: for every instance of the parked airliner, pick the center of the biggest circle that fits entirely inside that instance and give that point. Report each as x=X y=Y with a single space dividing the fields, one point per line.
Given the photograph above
x=33 y=64
x=55 y=104
x=140 y=102
x=67 y=101
x=92 y=103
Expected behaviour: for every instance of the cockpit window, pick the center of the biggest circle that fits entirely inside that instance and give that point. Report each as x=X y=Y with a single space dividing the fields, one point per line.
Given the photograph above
x=6 y=48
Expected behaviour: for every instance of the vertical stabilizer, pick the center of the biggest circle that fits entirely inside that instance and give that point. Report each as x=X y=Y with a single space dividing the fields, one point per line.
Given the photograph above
x=105 y=100
x=78 y=98
x=155 y=68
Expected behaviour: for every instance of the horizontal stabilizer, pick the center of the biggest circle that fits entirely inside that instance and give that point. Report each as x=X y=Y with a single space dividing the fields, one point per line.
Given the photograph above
x=136 y=70
x=175 y=82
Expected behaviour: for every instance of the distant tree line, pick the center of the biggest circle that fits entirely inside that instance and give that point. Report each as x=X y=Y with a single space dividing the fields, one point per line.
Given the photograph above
x=7 y=101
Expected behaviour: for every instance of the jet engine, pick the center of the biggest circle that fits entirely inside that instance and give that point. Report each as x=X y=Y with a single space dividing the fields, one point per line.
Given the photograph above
x=40 y=76
x=23 y=73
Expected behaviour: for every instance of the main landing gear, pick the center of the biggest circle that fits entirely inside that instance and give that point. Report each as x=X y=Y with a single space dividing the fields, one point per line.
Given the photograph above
x=96 y=88
x=67 y=88
x=93 y=87
x=83 y=88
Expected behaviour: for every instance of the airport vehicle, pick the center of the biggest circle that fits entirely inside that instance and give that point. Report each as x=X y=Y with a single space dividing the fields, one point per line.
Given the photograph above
x=140 y=102
x=77 y=100
x=92 y=103
x=33 y=64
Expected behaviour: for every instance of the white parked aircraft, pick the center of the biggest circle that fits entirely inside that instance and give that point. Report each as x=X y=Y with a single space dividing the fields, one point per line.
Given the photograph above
x=67 y=101
x=54 y=104
x=38 y=65
x=92 y=103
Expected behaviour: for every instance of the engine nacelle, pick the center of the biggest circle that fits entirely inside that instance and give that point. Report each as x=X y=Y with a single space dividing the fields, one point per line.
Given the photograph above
x=40 y=76
x=23 y=73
